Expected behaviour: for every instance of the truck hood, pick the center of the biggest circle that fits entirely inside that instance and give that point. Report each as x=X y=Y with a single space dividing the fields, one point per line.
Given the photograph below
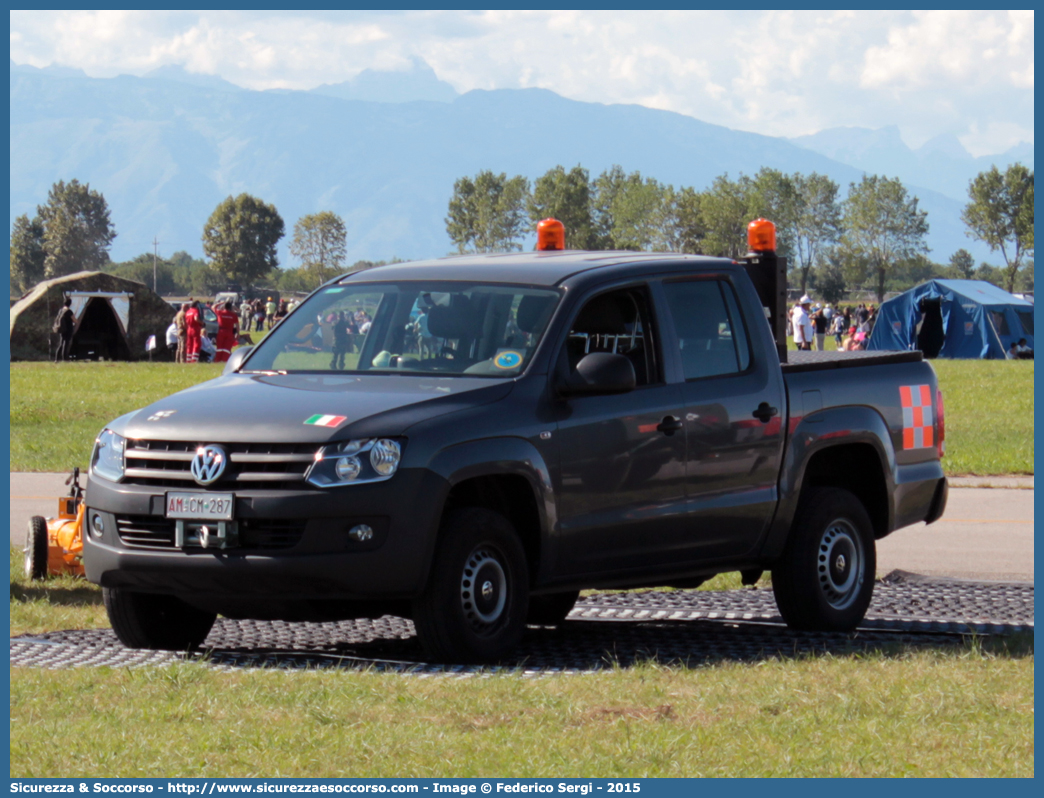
x=305 y=408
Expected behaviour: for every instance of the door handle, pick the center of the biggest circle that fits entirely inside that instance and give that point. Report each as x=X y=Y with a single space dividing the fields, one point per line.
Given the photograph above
x=764 y=412
x=669 y=425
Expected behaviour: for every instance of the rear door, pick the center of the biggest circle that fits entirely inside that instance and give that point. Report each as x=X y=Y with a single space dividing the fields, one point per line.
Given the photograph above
x=734 y=405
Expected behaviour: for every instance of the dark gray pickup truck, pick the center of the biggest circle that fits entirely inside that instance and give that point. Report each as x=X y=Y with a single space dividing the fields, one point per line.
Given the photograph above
x=471 y=441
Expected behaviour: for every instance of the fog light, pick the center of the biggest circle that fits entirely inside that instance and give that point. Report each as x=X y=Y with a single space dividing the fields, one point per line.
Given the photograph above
x=97 y=525
x=347 y=468
x=361 y=533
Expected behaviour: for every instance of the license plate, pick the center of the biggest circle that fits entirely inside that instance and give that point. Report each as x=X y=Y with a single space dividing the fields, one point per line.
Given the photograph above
x=200 y=506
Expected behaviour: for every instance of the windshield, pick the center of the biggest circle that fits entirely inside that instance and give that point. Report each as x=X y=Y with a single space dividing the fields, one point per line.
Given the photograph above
x=476 y=329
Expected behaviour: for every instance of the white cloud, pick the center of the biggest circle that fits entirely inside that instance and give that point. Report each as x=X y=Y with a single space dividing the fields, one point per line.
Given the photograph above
x=940 y=47
x=777 y=72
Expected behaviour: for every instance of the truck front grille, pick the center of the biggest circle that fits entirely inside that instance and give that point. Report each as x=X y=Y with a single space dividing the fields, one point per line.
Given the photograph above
x=273 y=466
x=156 y=532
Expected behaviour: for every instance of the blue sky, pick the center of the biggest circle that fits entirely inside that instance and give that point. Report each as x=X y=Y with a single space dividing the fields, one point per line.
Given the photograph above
x=783 y=73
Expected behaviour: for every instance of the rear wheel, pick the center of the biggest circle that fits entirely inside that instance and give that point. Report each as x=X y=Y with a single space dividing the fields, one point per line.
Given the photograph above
x=474 y=607
x=148 y=620
x=825 y=579
x=551 y=610
x=35 y=550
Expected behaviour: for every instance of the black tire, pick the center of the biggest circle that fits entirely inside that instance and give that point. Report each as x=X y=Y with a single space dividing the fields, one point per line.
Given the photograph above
x=35 y=549
x=474 y=606
x=552 y=609
x=158 y=622
x=825 y=578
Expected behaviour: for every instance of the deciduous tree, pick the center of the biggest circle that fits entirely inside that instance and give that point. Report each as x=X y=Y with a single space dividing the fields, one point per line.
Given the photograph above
x=77 y=232
x=831 y=281
x=565 y=196
x=630 y=212
x=774 y=196
x=816 y=220
x=962 y=264
x=320 y=243
x=240 y=238
x=488 y=213
x=689 y=228
x=1000 y=214
x=726 y=208
x=27 y=253
x=883 y=226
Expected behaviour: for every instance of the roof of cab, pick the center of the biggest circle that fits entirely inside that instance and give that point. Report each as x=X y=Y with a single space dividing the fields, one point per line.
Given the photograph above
x=528 y=268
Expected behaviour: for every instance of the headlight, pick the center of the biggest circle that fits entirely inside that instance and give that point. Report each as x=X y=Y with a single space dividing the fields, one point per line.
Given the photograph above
x=107 y=458
x=352 y=462
x=385 y=456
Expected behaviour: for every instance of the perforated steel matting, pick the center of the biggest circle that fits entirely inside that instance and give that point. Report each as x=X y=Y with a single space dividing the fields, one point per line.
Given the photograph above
x=683 y=628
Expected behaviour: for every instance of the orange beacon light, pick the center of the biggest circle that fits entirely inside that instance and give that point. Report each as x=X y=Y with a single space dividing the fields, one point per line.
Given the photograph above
x=761 y=236
x=550 y=235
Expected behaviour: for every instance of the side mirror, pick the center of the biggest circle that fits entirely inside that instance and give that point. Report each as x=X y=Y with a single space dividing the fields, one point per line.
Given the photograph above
x=236 y=360
x=599 y=373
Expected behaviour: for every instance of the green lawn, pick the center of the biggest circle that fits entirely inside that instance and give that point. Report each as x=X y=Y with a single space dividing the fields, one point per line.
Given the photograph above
x=964 y=712
x=57 y=410
x=989 y=415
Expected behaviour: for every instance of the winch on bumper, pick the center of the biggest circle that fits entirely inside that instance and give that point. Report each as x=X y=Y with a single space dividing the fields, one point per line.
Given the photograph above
x=297 y=544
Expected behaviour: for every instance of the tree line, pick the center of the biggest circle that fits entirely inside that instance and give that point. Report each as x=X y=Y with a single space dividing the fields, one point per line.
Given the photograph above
x=872 y=237
x=73 y=231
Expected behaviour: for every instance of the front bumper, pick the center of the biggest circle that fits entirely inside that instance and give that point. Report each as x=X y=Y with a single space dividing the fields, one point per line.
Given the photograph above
x=319 y=561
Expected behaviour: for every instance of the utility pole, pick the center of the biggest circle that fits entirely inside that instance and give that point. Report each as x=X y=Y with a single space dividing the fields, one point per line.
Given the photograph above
x=155 y=255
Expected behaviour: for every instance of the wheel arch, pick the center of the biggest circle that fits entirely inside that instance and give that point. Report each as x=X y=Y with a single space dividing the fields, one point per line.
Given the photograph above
x=848 y=448
x=508 y=476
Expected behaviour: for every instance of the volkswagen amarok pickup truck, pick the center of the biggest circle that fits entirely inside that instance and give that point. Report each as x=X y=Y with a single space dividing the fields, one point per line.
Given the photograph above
x=471 y=441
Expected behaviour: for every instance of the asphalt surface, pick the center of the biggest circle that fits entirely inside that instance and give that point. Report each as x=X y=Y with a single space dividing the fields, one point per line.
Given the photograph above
x=985 y=534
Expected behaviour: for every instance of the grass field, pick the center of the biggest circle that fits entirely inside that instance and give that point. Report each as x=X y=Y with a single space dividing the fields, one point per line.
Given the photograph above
x=57 y=410
x=967 y=712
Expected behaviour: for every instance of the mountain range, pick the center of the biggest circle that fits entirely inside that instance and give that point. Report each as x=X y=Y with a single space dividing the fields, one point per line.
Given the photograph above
x=384 y=149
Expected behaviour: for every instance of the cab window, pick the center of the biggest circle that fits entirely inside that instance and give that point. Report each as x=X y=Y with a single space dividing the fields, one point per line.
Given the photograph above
x=710 y=330
x=618 y=322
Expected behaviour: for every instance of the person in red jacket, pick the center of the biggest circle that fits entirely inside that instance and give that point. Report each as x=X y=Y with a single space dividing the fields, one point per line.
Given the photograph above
x=193 y=331
x=228 y=324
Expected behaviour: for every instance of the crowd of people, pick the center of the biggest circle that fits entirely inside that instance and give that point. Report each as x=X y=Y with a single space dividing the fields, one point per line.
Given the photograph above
x=187 y=335
x=810 y=323
x=262 y=314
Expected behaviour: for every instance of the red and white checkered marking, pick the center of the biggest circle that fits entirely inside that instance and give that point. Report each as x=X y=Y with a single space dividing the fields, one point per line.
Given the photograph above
x=918 y=421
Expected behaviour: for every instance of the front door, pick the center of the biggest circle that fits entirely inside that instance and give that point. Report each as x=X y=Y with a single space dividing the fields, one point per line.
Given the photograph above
x=622 y=465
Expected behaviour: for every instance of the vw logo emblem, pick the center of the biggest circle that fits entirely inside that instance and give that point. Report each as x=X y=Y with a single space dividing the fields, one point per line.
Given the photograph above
x=209 y=464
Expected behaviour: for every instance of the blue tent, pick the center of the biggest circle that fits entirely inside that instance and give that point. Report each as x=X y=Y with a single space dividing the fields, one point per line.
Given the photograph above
x=954 y=318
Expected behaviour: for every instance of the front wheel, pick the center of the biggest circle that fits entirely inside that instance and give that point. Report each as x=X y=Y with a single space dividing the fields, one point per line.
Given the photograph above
x=153 y=621
x=35 y=550
x=474 y=607
x=825 y=578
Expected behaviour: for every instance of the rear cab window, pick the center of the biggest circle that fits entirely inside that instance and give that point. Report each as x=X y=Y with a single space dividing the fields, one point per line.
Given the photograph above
x=710 y=329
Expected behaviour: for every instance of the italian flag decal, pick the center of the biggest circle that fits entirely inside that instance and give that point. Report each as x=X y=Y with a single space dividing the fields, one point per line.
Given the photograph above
x=320 y=420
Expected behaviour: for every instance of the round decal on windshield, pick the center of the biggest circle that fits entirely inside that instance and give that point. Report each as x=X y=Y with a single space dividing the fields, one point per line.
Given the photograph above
x=507 y=359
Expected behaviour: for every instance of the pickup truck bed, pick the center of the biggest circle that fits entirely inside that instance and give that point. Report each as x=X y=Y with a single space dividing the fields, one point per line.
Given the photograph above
x=819 y=361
